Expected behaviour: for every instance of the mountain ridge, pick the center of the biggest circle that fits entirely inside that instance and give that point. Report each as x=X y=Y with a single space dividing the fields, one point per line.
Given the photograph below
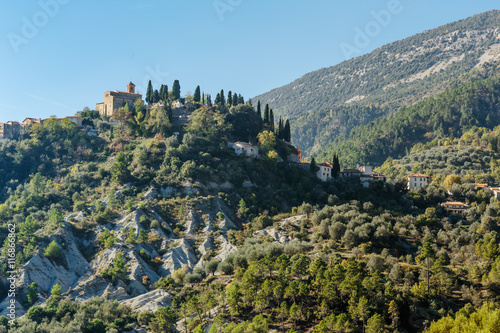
x=394 y=75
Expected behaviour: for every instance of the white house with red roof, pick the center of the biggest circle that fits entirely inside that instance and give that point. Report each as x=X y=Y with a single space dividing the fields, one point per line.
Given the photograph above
x=417 y=181
x=244 y=148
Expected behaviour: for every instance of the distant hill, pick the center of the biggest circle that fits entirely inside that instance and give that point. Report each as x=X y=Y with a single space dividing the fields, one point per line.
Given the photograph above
x=329 y=102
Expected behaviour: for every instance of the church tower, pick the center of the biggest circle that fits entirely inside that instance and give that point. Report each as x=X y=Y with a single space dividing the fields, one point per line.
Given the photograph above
x=131 y=88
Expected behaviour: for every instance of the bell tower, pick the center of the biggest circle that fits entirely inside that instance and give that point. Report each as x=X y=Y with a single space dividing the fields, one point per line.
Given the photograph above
x=131 y=88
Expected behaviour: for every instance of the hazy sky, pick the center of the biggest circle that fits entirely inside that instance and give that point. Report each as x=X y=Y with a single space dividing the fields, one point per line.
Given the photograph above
x=58 y=56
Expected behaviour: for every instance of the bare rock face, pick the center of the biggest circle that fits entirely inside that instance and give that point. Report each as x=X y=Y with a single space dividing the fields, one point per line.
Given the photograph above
x=94 y=285
x=150 y=194
x=226 y=248
x=130 y=221
x=178 y=256
x=4 y=310
x=278 y=235
x=46 y=272
x=150 y=301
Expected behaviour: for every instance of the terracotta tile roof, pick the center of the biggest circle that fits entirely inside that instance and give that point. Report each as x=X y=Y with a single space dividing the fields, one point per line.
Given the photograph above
x=419 y=175
x=454 y=203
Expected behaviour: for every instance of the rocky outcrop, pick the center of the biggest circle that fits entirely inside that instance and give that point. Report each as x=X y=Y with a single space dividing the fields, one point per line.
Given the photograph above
x=279 y=236
x=150 y=301
x=46 y=272
x=177 y=257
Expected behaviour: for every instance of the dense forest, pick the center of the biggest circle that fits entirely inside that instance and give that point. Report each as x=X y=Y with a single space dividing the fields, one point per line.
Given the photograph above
x=449 y=114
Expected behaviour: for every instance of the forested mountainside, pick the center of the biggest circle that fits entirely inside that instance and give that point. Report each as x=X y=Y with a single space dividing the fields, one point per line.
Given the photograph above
x=158 y=226
x=395 y=75
x=449 y=114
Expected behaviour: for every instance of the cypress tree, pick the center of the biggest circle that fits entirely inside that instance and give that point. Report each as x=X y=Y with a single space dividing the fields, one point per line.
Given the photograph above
x=149 y=93
x=271 y=119
x=266 y=114
x=176 y=90
x=241 y=100
x=197 y=95
x=222 y=99
x=235 y=100
x=203 y=98
x=229 y=98
x=258 y=110
x=164 y=95
x=336 y=166
x=209 y=100
x=313 y=167
x=162 y=88
x=156 y=97
x=287 y=129
x=281 y=132
x=217 y=98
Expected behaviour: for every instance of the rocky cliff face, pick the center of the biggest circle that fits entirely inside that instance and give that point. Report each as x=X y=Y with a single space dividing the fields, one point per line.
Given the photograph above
x=80 y=275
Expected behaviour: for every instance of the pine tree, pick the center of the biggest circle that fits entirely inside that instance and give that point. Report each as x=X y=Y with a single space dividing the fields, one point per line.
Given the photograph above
x=258 y=110
x=287 y=129
x=197 y=95
x=427 y=253
x=149 y=93
x=229 y=98
x=266 y=114
x=176 y=90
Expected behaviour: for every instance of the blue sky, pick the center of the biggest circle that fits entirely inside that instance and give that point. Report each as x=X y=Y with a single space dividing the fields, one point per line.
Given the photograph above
x=59 y=56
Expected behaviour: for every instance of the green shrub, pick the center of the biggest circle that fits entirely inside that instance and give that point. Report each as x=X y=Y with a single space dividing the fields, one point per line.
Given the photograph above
x=53 y=251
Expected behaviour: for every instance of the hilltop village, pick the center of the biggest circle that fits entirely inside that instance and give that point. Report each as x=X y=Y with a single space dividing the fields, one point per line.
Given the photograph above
x=179 y=112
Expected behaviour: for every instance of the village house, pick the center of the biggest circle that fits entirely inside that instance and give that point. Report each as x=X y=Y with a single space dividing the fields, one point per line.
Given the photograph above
x=30 y=121
x=496 y=192
x=114 y=100
x=244 y=148
x=364 y=173
x=349 y=173
x=454 y=206
x=480 y=186
x=417 y=181
x=325 y=171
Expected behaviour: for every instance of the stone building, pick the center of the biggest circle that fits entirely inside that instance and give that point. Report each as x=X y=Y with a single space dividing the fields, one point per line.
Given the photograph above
x=10 y=130
x=30 y=121
x=113 y=100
